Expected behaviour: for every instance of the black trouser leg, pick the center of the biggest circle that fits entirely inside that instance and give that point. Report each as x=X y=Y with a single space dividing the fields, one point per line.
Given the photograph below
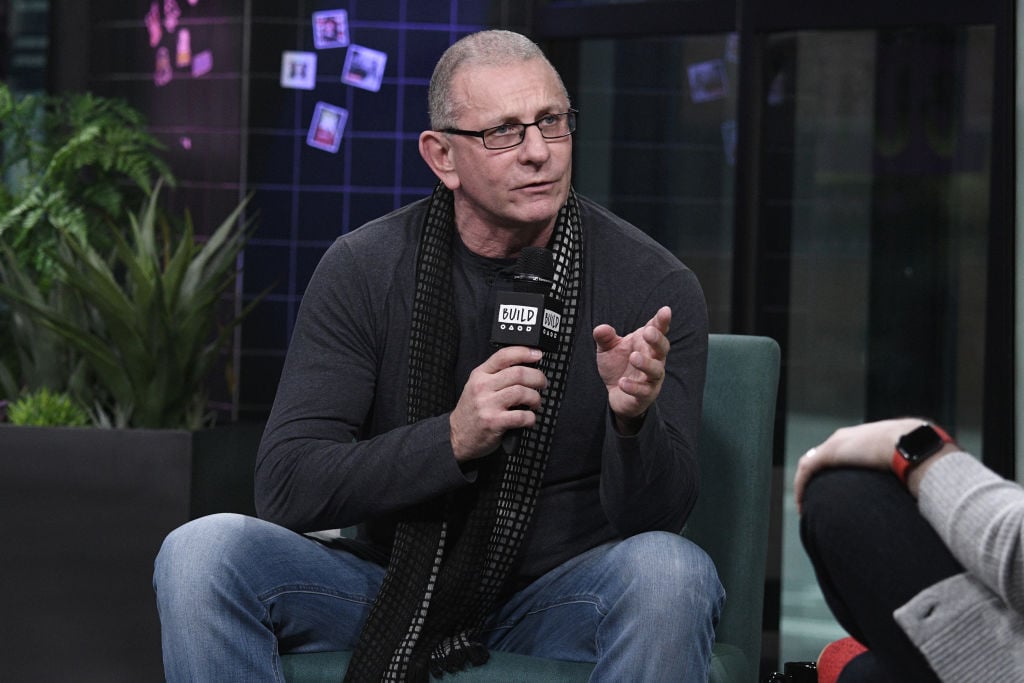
x=872 y=552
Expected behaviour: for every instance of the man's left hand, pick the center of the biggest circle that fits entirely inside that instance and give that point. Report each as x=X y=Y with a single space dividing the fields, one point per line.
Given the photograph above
x=633 y=368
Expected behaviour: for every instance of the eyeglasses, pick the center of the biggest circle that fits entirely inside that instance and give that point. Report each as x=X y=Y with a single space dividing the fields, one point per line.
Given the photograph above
x=551 y=127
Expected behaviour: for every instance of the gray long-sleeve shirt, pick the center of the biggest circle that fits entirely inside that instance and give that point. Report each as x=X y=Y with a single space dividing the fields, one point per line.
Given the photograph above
x=970 y=627
x=338 y=451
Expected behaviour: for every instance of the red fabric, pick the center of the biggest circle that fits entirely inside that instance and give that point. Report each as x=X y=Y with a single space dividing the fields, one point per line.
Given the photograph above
x=835 y=656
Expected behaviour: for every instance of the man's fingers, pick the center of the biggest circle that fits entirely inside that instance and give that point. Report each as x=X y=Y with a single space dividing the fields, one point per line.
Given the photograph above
x=605 y=337
x=510 y=356
x=662 y=319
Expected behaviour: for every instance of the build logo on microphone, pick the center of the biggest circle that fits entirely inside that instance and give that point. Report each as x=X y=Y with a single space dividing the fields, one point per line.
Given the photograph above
x=517 y=317
x=552 y=320
x=527 y=319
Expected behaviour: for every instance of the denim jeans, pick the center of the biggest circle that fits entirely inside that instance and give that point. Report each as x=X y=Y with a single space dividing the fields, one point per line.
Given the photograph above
x=233 y=592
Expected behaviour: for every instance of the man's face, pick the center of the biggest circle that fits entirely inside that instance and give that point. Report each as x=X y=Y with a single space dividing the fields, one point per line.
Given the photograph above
x=521 y=187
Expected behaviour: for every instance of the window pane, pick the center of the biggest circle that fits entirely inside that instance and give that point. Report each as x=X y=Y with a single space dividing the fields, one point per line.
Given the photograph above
x=655 y=143
x=886 y=208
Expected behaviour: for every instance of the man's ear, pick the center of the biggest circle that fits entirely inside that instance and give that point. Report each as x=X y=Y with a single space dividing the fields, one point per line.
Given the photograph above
x=436 y=150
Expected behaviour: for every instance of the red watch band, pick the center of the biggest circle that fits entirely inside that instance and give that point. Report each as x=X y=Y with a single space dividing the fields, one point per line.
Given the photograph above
x=901 y=466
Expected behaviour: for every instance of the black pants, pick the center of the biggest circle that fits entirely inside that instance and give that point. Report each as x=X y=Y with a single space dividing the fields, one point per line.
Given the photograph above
x=872 y=552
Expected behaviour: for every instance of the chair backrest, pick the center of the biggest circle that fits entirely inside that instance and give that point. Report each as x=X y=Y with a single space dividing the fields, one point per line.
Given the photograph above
x=730 y=520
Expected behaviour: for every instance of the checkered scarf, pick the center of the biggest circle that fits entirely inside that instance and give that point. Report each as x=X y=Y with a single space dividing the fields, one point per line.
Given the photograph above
x=453 y=554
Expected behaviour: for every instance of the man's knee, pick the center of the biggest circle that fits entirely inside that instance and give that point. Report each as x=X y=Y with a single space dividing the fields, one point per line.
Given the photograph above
x=668 y=569
x=197 y=552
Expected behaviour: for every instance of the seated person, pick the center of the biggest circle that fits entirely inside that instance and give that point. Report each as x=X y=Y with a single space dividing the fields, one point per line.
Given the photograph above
x=919 y=551
x=391 y=411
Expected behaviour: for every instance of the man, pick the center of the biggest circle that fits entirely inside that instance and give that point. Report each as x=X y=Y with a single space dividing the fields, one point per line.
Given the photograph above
x=390 y=416
x=925 y=568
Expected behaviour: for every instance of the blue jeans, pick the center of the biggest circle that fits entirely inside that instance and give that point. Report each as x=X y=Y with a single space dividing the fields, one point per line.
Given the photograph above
x=233 y=592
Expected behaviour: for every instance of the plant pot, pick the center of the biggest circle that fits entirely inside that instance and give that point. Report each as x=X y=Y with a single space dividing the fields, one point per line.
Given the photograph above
x=84 y=512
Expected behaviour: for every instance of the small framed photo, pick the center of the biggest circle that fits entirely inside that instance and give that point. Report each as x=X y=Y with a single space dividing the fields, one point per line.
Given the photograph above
x=298 y=70
x=707 y=80
x=202 y=63
x=330 y=29
x=162 y=73
x=326 y=127
x=172 y=13
x=364 y=68
x=153 y=25
x=183 y=49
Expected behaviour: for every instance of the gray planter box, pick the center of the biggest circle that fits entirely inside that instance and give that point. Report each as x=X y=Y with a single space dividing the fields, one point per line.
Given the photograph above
x=82 y=515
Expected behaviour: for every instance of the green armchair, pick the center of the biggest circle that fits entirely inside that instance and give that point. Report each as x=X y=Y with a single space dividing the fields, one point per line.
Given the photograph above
x=730 y=521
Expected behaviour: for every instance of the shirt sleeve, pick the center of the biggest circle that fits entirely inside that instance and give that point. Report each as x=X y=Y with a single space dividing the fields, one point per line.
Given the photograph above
x=650 y=480
x=980 y=516
x=320 y=466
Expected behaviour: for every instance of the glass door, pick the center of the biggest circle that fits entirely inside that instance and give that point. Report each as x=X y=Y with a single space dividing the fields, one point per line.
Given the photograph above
x=876 y=164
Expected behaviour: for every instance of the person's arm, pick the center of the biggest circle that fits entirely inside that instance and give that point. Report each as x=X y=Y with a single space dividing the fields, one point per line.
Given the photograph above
x=869 y=445
x=337 y=449
x=980 y=516
x=654 y=379
x=633 y=368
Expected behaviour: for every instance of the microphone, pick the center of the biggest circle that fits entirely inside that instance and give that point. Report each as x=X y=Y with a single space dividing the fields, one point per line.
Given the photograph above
x=527 y=315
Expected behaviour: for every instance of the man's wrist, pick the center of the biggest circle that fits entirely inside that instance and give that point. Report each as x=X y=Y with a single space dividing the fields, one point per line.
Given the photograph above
x=629 y=426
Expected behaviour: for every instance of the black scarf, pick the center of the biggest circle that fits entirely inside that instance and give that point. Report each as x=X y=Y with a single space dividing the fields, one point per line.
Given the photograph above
x=452 y=555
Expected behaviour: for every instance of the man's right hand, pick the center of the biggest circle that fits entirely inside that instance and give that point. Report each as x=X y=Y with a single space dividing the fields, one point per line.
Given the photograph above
x=502 y=393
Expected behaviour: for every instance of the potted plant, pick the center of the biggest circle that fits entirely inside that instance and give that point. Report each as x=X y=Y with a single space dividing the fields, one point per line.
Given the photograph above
x=112 y=305
x=70 y=167
x=45 y=408
x=142 y=320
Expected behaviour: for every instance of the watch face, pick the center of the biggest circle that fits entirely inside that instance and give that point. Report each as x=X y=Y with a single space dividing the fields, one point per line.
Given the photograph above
x=920 y=443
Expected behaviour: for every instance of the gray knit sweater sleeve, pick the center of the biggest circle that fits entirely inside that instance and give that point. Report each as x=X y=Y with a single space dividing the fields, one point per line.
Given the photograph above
x=970 y=627
x=980 y=516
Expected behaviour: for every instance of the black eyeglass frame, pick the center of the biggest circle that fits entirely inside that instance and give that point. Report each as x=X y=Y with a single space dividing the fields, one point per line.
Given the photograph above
x=570 y=121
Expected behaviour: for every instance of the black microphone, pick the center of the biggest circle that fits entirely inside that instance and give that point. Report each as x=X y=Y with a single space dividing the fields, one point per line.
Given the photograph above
x=527 y=315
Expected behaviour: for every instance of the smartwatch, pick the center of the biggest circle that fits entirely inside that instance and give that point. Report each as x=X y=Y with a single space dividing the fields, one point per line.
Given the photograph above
x=916 y=446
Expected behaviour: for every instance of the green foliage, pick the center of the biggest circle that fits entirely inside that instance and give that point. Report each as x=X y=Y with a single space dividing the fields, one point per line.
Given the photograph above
x=44 y=408
x=149 y=335
x=34 y=356
x=115 y=308
x=70 y=166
